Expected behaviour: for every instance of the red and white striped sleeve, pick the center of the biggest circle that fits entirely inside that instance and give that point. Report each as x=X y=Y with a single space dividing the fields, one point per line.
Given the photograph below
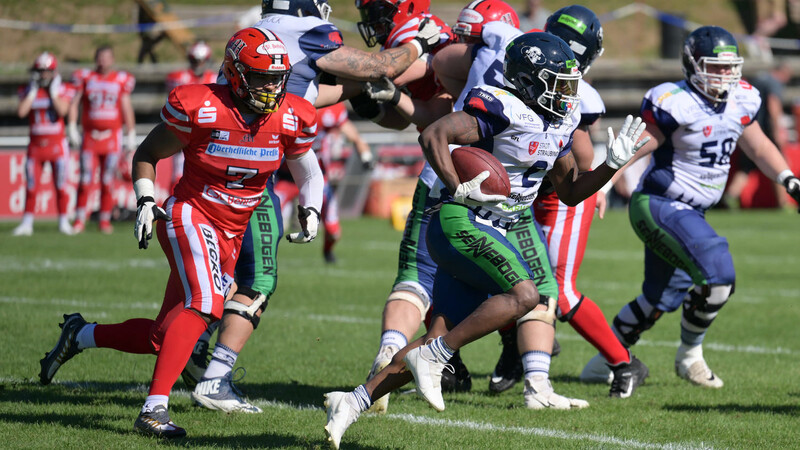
x=176 y=117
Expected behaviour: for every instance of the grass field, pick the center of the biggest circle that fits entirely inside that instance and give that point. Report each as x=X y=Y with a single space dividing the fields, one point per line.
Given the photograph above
x=321 y=330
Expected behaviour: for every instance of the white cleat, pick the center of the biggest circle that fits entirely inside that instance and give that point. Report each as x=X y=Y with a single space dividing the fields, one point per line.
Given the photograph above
x=383 y=359
x=341 y=415
x=427 y=371
x=65 y=228
x=597 y=371
x=539 y=394
x=690 y=365
x=23 y=229
x=220 y=394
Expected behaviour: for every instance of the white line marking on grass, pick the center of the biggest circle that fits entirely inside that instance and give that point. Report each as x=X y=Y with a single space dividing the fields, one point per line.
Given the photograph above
x=410 y=418
x=372 y=321
x=61 y=265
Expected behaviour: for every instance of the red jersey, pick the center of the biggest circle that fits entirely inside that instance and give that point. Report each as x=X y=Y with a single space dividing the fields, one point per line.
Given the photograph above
x=329 y=119
x=46 y=128
x=427 y=86
x=102 y=94
x=187 y=76
x=228 y=162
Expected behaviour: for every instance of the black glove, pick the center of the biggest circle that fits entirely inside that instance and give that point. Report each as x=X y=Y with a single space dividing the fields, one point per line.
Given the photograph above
x=147 y=211
x=792 y=185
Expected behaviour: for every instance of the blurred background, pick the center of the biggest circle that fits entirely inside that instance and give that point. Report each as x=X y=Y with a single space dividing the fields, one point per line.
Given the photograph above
x=643 y=41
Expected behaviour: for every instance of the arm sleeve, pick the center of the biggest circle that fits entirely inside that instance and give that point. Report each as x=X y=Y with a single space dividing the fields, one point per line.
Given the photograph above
x=319 y=41
x=308 y=177
x=174 y=114
x=488 y=110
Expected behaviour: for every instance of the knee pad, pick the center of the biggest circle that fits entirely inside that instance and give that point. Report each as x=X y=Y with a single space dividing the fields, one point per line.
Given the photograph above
x=260 y=301
x=702 y=304
x=548 y=316
x=410 y=293
x=633 y=320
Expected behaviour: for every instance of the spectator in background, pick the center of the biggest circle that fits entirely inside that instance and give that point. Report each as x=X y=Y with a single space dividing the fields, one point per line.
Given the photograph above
x=770 y=116
x=104 y=97
x=534 y=16
x=45 y=102
x=198 y=55
x=149 y=36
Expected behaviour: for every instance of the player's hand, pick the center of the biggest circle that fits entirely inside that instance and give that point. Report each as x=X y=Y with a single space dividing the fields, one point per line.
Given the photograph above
x=73 y=135
x=469 y=193
x=309 y=223
x=147 y=211
x=130 y=141
x=601 y=204
x=34 y=81
x=55 y=86
x=620 y=150
x=367 y=161
x=792 y=185
x=383 y=91
x=428 y=36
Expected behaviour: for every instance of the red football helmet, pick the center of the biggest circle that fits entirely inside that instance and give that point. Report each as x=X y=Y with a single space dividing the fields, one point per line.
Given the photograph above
x=45 y=61
x=380 y=17
x=480 y=12
x=198 y=53
x=257 y=52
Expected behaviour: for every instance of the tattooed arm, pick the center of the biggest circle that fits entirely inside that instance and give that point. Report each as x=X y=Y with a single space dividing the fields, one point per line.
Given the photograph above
x=355 y=64
x=455 y=128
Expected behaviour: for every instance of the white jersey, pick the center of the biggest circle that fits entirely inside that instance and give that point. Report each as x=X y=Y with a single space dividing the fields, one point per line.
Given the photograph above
x=693 y=163
x=526 y=144
x=307 y=39
x=487 y=63
x=591 y=105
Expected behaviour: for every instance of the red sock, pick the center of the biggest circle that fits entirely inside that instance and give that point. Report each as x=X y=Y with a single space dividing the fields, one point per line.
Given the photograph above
x=131 y=336
x=178 y=344
x=592 y=325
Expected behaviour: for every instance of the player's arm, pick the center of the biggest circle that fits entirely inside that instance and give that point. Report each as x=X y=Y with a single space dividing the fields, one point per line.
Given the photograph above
x=768 y=158
x=775 y=114
x=129 y=120
x=73 y=135
x=331 y=94
x=419 y=112
x=452 y=65
x=26 y=100
x=350 y=132
x=455 y=128
x=160 y=143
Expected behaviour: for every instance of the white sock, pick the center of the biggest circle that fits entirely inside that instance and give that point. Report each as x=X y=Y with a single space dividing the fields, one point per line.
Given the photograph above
x=393 y=337
x=63 y=220
x=154 y=400
x=688 y=355
x=27 y=219
x=222 y=361
x=536 y=363
x=85 y=336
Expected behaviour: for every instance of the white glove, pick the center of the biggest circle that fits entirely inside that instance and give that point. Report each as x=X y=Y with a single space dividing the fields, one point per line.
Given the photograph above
x=383 y=91
x=620 y=150
x=146 y=212
x=55 y=86
x=309 y=222
x=130 y=141
x=428 y=36
x=73 y=135
x=469 y=193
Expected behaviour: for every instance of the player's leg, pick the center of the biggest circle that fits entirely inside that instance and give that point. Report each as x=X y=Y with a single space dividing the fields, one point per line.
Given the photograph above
x=87 y=168
x=330 y=220
x=33 y=167
x=108 y=171
x=60 y=166
x=257 y=277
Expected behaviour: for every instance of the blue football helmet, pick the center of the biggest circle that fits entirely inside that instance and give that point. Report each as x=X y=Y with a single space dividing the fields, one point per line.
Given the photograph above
x=543 y=72
x=711 y=62
x=579 y=27
x=299 y=8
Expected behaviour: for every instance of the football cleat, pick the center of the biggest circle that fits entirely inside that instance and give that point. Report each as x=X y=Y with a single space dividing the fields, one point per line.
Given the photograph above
x=508 y=370
x=597 y=371
x=698 y=373
x=220 y=394
x=627 y=377
x=198 y=363
x=458 y=381
x=65 y=348
x=341 y=415
x=23 y=229
x=427 y=371
x=157 y=423
x=539 y=394
x=65 y=228
x=383 y=359
x=106 y=227
x=78 y=227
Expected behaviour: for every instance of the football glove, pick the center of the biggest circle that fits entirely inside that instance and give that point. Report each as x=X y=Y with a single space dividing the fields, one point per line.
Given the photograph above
x=470 y=194
x=309 y=223
x=55 y=86
x=73 y=135
x=428 y=36
x=130 y=141
x=367 y=161
x=621 y=150
x=792 y=185
x=383 y=91
x=146 y=212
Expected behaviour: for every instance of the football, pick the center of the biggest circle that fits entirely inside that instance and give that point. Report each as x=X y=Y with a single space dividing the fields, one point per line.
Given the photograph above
x=470 y=161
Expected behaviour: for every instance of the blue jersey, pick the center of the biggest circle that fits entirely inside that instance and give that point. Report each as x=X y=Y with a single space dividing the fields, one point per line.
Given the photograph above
x=693 y=163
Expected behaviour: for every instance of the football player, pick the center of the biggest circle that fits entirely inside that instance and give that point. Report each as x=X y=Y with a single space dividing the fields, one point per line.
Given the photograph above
x=104 y=98
x=695 y=124
x=479 y=292
x=233 y=137
x=45 y=102
x=321 y=59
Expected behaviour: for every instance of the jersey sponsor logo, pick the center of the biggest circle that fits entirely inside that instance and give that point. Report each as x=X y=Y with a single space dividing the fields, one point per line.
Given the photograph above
x=242 y=152
x=707 y=130
x=532 y=147
x=220 y=135
x=480 y=248
x=210 y=239
x=233 y=201
x=745 y=120
x=271 y=48
x=246 y=138
x=290 y=122
x=572 y=22
x=207 y=114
